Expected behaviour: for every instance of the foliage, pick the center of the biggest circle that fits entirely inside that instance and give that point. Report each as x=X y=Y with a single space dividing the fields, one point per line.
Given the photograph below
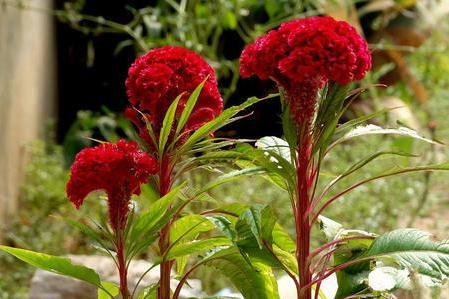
x=42 y=196
x=182 y=23
x=246 y=243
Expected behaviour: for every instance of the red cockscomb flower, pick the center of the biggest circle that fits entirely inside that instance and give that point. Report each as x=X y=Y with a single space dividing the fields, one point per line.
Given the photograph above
x=117 y=168
x=302 y=55
x=158 y=77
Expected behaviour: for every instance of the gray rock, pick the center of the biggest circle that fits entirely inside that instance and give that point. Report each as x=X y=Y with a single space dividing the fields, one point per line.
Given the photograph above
x=47 y=285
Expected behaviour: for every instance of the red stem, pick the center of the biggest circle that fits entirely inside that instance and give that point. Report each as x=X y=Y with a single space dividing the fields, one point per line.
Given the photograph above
x=322 y=260
x=165 y=182
x=303 y=227
x=183 y=281
x=334 y=242
x=122 y=268
x=334 y=198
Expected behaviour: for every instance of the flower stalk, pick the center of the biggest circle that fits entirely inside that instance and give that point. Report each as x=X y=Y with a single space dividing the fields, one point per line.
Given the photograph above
x=301 y=57
x=304 y=176
x=122 y=266
x=161 y=84
x=165 y=183
x=119 y=169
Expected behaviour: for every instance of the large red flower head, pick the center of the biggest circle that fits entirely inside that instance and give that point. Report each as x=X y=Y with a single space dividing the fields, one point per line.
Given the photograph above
x=116 y=168
x=302 y=55
x=158 y=77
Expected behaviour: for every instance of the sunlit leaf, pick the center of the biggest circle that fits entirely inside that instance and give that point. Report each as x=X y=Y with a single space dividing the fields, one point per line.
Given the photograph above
x=111 y=288
x=197 y=246
x=376 y=130
x=167 y=124
x=188 y=108
x=55 y=264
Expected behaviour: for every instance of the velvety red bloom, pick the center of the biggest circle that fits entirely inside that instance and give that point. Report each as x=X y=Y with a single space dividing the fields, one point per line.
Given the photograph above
x=119 y=169
x=158 y=77
x=302 y=55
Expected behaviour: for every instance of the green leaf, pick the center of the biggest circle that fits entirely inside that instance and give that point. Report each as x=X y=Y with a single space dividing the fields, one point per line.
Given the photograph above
x=144 y=230
x=188 y=108
x=351 y=282
x=184 y=230
x=412 y=249
x=385 y=279
x=223 y=119
x=276 y=145
x=289 y=128
x=188 y=227
x=255 y=281
x=408 y=249
x=167 y=124
x=229 y=20
x=376 y=130
x=55 y=264
x=149 y=292
x=231 y=176
x=85 y=229
x=389 y=173
x=282 y=239
x=197 y=246
x=148 y=126
x=274 y=258
x=353 y=168
x=258 y=222
x=156 y=211
x=110 y=287
x=359 y=120
x=278 y=170
x=224 y=225
x=328 y=114
x=287 y=259
x=234 y=208
x=352 y=279
x=351 y=249
x=272 y=7
x=329 y=227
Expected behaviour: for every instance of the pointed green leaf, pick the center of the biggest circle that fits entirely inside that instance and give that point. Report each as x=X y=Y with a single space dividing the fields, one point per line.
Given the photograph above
x=167 y=124
x=149 y=292
x=359 y=120
x=230 y=176
x=188 y=227
x=376 y=130
x=155 y=212
x=223 y=119
x=282 y=239
x=224 y=225
x=413 y=249
x=253 y=281
x=144 y=229
x=329 y=227
x=276 y=145
x=257 y=222
x=188 y=108
x=197 y=246
x=55 y=264
x=111 y=288
x=85 y=229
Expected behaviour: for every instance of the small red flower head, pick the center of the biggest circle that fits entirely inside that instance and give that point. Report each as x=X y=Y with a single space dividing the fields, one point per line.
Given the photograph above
x=117 y=168
x=158 y=77
x=302 y=55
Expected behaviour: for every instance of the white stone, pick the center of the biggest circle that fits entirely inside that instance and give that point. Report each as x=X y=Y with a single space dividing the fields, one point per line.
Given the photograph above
x=53 y=286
